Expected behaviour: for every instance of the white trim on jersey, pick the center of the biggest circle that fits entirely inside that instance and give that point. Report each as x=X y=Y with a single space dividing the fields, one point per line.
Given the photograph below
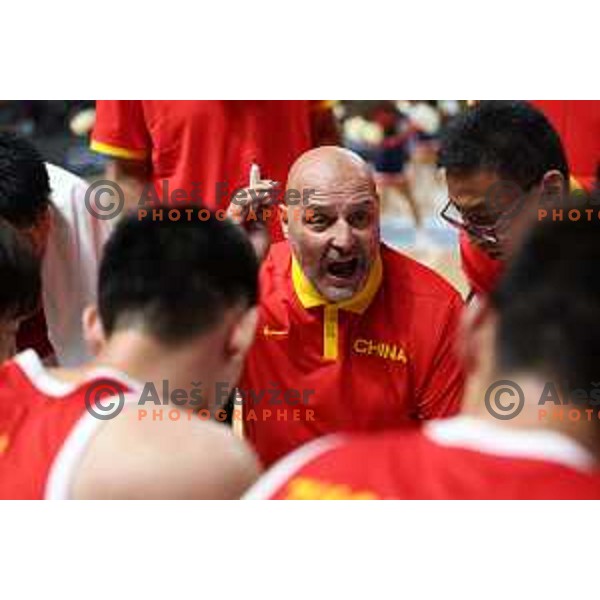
x=62 y=470
x=284 y=469
x=483 y=436
x=66 y=461
x=32 y=366
x=64 y=465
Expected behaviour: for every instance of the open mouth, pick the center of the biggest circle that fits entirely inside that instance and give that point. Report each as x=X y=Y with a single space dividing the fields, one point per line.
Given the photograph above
x=343 y=269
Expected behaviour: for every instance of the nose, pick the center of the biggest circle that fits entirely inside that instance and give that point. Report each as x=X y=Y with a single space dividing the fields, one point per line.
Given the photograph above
x=343 y=236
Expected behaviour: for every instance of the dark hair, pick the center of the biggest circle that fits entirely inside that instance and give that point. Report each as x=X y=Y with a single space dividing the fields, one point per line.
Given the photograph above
x=24 y=183
x=175 y=278
x=20 y=274
x=510 y=138
x=548 y=304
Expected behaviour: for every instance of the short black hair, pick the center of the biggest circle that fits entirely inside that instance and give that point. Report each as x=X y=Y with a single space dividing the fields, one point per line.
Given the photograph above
x=173 y=275
x=511 y=138
x=20 y=274
x=24 y=182
x=548 y=304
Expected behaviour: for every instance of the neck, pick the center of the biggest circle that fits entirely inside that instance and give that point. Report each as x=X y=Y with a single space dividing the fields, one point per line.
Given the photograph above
x=143 y=359
x=567 y=419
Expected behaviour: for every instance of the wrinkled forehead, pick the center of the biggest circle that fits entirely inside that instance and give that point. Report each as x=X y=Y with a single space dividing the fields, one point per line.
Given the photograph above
x=334 y=184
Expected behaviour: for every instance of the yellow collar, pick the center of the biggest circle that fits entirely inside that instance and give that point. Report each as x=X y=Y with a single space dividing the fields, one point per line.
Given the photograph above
x=309 y=297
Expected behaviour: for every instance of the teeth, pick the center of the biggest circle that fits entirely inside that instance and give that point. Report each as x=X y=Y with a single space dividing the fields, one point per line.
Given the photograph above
x=344 y=268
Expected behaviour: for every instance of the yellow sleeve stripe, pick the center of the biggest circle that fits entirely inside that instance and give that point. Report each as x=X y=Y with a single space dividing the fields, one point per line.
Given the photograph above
x=319 y=105
x=4 y=443
x=117 y=151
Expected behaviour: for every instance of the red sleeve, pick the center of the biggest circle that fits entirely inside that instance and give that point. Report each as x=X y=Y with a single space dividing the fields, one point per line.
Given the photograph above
x=578 y=124
x=120 y=130
x=440 y=391
x=323 y=126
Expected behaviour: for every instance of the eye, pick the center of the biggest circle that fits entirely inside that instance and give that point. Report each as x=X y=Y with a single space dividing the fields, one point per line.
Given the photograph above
x=482 y=220
x=360 y=219
x=318 y=221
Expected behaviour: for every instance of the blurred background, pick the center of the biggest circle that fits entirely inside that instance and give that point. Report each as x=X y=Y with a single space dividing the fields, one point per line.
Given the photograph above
x=399 y=138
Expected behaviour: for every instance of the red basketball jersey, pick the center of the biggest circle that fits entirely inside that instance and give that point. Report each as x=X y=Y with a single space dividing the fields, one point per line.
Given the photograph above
x=457 y=458
x=45 y=426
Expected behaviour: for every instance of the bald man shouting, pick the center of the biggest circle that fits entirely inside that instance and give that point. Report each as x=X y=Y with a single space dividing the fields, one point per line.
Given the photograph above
x=352 y=335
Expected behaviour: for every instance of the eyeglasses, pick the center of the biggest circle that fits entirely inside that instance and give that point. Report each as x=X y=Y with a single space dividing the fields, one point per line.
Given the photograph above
x=503 y=201
x=452 y=215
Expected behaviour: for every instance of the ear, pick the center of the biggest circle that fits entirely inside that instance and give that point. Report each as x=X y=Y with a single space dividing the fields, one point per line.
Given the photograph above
x=242 y=334
x=554 y=185
x=93 y=332
x=284 y=219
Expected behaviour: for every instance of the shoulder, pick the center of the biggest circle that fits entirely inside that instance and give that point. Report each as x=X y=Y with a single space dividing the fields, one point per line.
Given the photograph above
x=68 y=198
x=66 y=187
x=75 y=210
x=276 y=478
x=342 y=467
x=12 y=373
x=183 y=458
x=17 y=395
x=276 y=268
x=278 y=257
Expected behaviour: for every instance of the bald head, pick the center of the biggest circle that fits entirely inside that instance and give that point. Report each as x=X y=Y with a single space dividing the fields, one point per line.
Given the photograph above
x=334 y=229
x=329 y=167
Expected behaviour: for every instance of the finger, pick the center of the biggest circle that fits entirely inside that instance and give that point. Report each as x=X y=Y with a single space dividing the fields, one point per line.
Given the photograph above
x=254 y=175
x=265 y=184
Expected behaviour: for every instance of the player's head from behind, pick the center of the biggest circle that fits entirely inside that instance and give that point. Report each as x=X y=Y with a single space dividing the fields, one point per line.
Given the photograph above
x=501 y=159
x=333 y=223
x=24 y=189
x=20 y=287
x=181 y=294
x=541 y=323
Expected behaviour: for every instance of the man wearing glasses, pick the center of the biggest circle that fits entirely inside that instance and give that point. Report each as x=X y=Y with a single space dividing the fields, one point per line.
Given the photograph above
x=502 y=160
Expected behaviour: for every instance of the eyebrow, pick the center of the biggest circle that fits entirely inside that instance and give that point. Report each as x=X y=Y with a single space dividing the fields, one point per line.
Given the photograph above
x=318 y=207
x=475 y=202
x=367 y=202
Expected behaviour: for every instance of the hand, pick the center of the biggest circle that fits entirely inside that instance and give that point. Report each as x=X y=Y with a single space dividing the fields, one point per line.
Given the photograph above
x=251 y=208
